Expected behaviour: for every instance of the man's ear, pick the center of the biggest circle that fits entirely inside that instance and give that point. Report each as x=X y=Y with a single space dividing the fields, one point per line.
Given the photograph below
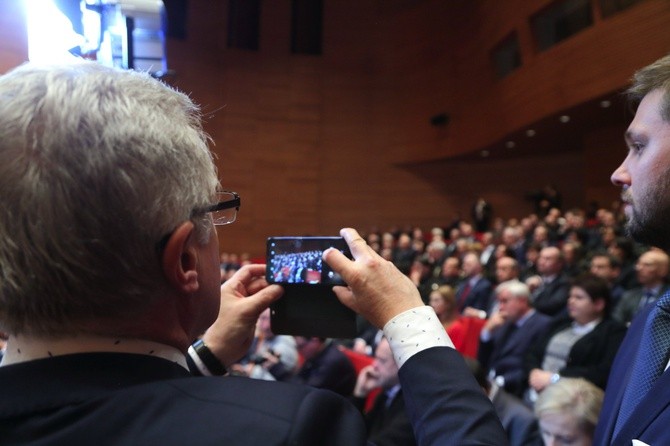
x=180 y=259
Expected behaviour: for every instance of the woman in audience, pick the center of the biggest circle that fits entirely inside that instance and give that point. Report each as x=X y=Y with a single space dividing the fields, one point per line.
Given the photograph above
x=568 y=412
x=463 y=331
x=583 y=345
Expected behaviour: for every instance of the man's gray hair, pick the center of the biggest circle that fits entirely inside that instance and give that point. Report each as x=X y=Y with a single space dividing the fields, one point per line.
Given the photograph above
x=515 y=287
x=97 y=166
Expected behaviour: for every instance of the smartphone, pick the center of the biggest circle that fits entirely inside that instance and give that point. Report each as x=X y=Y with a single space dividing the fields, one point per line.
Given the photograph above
x=298 y=260
x=309 y=307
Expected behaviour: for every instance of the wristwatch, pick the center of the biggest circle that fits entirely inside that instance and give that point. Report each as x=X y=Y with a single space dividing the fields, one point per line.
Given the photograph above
x=204 y=360
x=555 y=377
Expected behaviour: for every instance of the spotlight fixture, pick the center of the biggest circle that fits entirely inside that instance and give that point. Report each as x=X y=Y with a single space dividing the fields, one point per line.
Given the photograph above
x=605 y=103
x=530 y=133
x=564 y=119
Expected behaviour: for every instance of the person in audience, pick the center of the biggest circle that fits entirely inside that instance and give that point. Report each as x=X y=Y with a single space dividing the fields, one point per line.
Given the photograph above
x=403 y=254
x=267 y=352
x=475 y=290
x=626 y=251
x=462 y=331
x=568 y=412
x=508 y=335
x=551 y=295
x=572 y=258
x=607 y=267
x=451 y=272
x=117 y=273
x=582 y=346
x=387 y=422
x=512 y=238
x=518 y=420
x=324 y=366
x=652 y=272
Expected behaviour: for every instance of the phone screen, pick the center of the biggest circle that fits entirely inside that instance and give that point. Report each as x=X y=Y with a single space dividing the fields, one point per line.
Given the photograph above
x=298 y=260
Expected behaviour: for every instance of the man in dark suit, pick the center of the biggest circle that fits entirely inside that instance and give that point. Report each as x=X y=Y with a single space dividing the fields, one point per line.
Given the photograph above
x=551 y=296
x=110 y=267
x=508 y=335
x=324 y=367
x=474 y=292
x=387 y=421
x=631 y=412
x=652 y=271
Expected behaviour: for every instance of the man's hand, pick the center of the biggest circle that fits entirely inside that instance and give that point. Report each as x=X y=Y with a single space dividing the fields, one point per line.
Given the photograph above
x=539 y=379
x=494 y=322
x=243 y=298
x=377 y=290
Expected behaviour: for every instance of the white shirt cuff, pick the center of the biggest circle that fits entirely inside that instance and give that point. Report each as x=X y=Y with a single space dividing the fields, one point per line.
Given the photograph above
x=413 y=331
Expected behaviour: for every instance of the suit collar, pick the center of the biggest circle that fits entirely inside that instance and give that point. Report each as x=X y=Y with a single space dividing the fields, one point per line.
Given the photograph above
x=44 y=384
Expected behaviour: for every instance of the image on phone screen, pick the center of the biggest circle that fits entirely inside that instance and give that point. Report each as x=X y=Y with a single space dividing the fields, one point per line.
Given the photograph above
x=298 y=260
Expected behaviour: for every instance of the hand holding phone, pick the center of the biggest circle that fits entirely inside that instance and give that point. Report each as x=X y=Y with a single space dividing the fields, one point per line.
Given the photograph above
x=308 y=307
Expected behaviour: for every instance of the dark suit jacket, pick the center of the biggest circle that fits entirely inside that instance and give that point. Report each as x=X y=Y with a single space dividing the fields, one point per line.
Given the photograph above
x=592 y=355
x=629 y=305
x=506 y=351
x=112 y=398
x=444 y=402
x=650 y=420
x=478 y=297
x=517 y=420
x=388 y=426
x=551 y=299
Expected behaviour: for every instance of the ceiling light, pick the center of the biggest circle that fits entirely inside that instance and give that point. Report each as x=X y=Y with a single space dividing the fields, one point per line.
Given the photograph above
x=484 y=153
x=510 y=144
x=530 y=133
x=605 y=103
x=564 y=119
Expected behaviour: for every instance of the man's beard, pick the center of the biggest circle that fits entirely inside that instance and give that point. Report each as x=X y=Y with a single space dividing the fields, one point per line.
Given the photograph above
x=650 y=223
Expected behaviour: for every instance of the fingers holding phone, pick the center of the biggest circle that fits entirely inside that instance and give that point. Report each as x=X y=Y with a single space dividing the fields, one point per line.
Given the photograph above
x=376 y=288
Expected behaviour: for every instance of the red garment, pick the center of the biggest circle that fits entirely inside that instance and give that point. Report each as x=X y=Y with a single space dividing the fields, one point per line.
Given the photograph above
x=464 y=333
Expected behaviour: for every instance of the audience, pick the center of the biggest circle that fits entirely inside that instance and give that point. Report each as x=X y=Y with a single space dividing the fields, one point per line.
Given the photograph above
x=583 y=345
x=508 y=335
x=652 y=273
x=568 y=412
x=551 y=296
x=475 y=290
x=387 y=422
x=268 y=354
x=463 y=331
x=324 y=366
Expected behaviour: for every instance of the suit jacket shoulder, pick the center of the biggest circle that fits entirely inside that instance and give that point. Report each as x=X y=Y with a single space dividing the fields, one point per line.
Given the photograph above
x=112 y=398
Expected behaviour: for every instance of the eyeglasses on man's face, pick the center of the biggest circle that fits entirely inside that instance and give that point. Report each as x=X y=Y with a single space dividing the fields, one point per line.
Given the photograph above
x=225 y=210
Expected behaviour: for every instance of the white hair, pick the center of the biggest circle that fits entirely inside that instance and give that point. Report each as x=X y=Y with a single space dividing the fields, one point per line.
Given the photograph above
x=97 y=165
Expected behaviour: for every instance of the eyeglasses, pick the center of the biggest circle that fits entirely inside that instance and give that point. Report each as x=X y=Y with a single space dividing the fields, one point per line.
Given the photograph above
x=225 y=211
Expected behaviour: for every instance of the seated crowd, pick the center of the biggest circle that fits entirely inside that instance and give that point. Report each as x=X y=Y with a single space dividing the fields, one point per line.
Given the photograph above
x=530 y=303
